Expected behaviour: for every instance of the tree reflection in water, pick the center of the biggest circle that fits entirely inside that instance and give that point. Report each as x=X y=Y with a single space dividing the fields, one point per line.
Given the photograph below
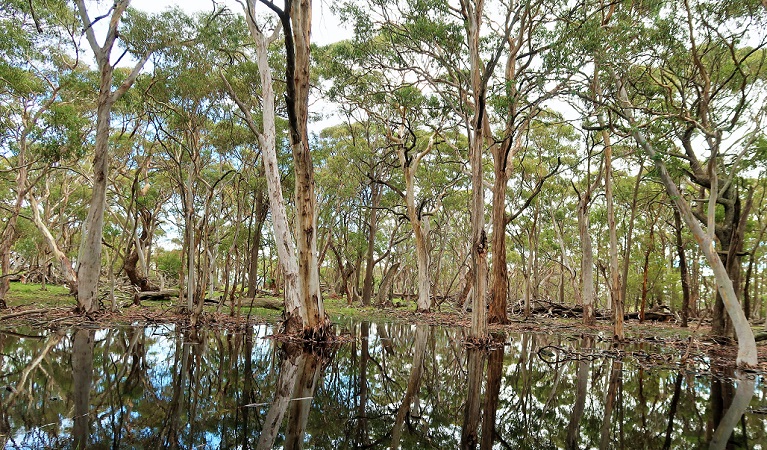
x=413 y=383
x=480 y=409
x=582 y=382
x=738 y=403
x=400 y=386
x=299 y=372
x=82 y=375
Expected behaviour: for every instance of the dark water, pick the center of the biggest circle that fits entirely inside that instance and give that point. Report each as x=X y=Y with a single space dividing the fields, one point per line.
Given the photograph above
x=412 y=386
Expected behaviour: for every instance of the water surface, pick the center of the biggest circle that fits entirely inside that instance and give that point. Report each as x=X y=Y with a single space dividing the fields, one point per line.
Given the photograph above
x=392 y=385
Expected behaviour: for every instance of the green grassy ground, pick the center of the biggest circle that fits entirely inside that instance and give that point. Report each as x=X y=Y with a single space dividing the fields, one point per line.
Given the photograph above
x=34 y=295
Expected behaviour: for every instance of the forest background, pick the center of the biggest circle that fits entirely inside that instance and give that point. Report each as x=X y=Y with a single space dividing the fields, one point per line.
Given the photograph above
x=603 y=155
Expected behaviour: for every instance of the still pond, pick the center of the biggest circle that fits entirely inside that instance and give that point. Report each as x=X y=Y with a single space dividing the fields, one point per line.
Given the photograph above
x=389 y=386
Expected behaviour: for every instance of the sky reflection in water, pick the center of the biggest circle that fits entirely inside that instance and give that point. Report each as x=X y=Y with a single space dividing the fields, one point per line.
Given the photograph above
x=394 y=385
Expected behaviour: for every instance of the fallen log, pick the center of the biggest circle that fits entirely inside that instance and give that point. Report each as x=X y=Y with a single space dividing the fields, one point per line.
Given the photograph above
x=263 y=302
x=545 y=307
x=166 y=294
x=658 y=316
x=760 y=336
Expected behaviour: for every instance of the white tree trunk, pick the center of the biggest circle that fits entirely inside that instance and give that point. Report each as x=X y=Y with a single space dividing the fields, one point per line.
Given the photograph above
x=420 y=226
x=286 y=249
x=89 y=259
x=615 y=281
x=65 y=265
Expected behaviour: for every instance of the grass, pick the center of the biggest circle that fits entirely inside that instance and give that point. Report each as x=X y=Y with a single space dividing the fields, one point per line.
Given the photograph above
x=32 y=294
x=338 y=307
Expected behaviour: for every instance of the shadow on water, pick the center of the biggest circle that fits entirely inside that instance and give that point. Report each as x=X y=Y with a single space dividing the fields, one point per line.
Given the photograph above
x=393 y=386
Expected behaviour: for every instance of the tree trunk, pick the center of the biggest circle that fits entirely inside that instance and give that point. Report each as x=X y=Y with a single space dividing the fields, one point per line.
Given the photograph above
x=367 y=286
x=304 y=310
x=132 y=272
x=260 y=212
x=500 y=271
x=89 y=259
x=645 y=272
x=424 y=281
x=420 y=223
x=468 y=285
x=65 y=265
x=695 y=287
x=683 y=272
x=567 y=265
x=587 y=261
x=297 y=45
x=10 y=234
x=630 y=231
x=531 y=281
x=136 y=253
x=615 y=278
x=191 y=248
x=473 y=13
x=386 y=283
x=732 y=244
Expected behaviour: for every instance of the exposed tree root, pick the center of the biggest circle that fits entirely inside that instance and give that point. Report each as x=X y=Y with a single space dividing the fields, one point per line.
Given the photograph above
x=310 y=338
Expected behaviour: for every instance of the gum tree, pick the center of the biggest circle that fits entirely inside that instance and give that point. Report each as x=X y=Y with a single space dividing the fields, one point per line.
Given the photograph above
x=298 y=256
x=141 y=39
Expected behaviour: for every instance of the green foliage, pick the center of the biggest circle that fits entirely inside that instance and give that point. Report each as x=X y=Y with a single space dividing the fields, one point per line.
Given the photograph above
x=169 y=263
x=402 y=77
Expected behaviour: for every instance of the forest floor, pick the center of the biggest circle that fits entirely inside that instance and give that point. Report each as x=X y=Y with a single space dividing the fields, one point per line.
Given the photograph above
x=658 y=343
